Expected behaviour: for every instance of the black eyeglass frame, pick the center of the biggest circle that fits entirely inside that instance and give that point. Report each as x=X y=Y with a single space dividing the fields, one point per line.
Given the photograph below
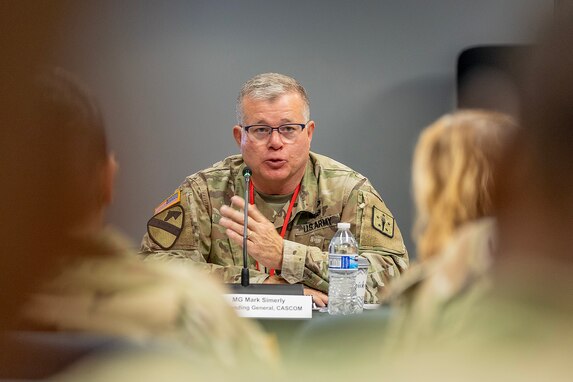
x=302 y=126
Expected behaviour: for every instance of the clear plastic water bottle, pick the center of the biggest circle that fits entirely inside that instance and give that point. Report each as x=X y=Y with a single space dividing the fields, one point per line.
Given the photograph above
x=342 y=269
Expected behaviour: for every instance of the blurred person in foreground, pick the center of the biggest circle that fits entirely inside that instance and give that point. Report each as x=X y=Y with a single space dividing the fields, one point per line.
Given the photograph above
x=518 y=329
x=97 y=284
x=453 y=186
x=521 y=329
x=295 y=192
x=453 y=167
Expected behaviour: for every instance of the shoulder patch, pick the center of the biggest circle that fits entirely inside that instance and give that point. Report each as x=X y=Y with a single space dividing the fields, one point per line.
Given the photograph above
x=170 y=201
x=382 y=222
x=165 y=227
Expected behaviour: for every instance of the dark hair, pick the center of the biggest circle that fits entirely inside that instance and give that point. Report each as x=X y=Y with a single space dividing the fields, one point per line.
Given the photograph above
x=71 y=144
x=68 y=110
x=52 y=144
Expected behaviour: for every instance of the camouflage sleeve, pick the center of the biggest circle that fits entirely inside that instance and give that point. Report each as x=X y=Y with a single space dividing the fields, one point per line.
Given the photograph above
x=183 y=232
x=379 y=240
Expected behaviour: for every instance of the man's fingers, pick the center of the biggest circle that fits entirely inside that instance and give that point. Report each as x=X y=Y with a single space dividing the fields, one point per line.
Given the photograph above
x=232 y=214
x=254 y=213
x=231 y=225
x=237 y=202
x=318 y=301
x=235 y=237
x=238 y=216
x=319 y=298
x=235 y=231
x=238 y=227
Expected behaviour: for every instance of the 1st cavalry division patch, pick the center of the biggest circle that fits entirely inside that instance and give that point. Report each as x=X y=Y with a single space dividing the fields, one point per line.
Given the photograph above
x=382 y=222
x=165 y=227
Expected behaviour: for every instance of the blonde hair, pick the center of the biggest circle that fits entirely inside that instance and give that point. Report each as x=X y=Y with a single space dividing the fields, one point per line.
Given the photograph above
x=452 y=172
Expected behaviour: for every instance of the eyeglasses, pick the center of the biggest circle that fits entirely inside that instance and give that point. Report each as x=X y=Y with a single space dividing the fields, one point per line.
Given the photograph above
x=289 y=132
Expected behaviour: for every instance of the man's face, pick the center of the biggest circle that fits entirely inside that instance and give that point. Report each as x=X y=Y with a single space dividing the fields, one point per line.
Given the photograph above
x=277 y=166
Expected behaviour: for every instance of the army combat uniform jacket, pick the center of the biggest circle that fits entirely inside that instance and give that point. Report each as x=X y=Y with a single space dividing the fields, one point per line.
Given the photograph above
x=186 y=225
x=112 y=292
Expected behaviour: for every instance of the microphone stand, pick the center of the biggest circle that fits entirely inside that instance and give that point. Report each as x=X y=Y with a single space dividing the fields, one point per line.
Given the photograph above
x=245 y=270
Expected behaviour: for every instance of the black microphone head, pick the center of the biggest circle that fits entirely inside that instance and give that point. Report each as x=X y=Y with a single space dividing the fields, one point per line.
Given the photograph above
x=247 y=172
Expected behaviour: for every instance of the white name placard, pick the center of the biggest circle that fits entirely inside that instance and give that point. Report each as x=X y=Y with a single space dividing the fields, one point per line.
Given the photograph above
x=271 y=306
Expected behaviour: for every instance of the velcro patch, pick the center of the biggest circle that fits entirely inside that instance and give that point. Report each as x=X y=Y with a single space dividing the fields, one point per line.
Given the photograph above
x=165 y=227
x=382 y=222
x=170 y=201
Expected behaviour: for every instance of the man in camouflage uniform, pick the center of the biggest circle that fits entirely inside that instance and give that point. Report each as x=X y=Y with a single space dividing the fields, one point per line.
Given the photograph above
x=274 y=132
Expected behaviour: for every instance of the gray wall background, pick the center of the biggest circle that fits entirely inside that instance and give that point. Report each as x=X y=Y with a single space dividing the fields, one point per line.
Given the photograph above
x=377 y=72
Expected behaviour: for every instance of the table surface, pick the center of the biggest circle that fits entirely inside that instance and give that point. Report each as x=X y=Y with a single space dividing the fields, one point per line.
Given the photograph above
x=322 y=332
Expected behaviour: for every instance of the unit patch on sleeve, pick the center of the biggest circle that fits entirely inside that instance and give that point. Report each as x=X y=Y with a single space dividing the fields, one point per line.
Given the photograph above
x=170 y=201
x=382 y=222
x=165 y=227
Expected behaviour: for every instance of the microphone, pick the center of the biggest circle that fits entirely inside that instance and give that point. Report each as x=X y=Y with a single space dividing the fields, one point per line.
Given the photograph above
x=247 y=173
x=245 y=271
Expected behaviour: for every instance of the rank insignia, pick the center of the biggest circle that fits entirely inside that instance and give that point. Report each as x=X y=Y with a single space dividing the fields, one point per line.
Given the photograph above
x=382 y=222
x=165 y=227
x=170 y=201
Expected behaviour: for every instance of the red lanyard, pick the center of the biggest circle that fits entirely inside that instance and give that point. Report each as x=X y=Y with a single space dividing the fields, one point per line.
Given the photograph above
x=287 y=217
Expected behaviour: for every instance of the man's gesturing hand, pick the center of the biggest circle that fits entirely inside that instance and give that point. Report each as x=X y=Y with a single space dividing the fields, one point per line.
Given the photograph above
x=263 y=242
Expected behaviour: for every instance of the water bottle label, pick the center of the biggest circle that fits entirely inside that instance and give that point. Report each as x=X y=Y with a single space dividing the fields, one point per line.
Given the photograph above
x=342 y=261
x=361 y=284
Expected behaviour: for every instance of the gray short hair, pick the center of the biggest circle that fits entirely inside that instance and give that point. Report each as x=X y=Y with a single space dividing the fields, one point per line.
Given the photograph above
x=270 y=86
